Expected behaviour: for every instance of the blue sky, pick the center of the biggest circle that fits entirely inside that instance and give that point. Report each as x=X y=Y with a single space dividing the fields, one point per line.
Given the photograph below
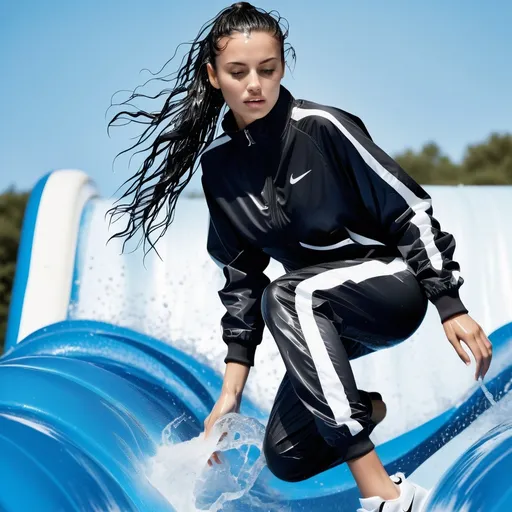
x=413 y=71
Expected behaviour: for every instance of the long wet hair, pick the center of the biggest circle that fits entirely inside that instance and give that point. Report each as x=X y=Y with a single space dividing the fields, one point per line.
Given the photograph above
x=184 y=126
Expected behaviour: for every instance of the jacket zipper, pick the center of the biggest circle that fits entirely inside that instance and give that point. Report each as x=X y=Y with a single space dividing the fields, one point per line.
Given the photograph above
x=268 y=187
x=249 y=138
x=270 y=192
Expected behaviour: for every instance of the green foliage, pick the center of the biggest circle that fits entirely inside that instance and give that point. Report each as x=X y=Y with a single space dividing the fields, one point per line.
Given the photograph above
x=486 y=163
x=429 y=165
x=12 y=207
x=491 y=161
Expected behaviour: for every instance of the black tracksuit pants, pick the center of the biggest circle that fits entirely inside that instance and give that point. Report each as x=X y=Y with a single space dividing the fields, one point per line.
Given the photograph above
x=321 y=317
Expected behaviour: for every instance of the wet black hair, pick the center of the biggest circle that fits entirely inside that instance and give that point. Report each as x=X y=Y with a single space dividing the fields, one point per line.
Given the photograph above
x=184 y=126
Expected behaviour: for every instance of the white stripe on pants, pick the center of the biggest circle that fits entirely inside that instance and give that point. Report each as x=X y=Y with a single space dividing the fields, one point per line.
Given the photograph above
x=336 y=398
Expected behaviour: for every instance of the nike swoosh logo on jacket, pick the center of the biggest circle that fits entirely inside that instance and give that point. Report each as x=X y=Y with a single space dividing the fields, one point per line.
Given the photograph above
x=306 y=184
x=294 y=179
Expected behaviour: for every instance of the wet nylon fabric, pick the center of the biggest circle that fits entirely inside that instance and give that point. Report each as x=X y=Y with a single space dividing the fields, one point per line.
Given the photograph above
x=303 y=437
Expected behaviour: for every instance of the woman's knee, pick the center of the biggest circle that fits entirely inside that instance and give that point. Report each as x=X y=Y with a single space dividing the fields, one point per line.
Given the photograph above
x=412 y=312
x=273 y=299
x=400 y=315
x=285 y=467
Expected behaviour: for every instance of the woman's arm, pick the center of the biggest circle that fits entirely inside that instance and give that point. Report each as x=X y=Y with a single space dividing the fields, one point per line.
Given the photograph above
x=399 y=208
x=243 y=266
x=235 y=377
x=403 y=212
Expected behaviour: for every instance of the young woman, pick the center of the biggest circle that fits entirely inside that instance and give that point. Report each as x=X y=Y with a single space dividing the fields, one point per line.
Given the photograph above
x=305 y=184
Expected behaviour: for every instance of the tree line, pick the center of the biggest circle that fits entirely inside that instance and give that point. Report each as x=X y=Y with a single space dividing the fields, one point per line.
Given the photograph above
x=12 y=207
x=486 y=163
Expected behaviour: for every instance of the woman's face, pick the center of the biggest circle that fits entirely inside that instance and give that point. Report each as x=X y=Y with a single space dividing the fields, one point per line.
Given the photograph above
x=249 y=68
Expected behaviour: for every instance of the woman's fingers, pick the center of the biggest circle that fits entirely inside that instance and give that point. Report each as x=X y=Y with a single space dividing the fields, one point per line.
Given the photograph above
x=467 y=330
x=477 y=352
x=486 y=349
x=472 y=342
x=215 y=455
x=486 y=342
x=482 y=350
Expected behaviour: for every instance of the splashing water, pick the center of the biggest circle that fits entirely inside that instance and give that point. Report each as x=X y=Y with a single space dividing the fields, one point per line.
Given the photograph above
x=486 y=392
x=179 y=470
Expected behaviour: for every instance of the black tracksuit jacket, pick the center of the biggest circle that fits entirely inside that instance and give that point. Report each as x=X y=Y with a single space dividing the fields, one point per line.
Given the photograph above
x=306 y=185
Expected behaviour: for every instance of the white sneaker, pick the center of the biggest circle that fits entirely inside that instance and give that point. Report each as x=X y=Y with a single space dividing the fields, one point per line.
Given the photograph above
x=412 y=498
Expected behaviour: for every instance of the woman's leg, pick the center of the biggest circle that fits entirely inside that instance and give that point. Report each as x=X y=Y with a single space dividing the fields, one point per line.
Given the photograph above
x=321 y=317
x=294 y=448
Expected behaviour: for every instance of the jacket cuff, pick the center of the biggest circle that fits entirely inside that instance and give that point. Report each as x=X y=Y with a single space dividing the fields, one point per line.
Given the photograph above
x=449 y=304
x=240 y=353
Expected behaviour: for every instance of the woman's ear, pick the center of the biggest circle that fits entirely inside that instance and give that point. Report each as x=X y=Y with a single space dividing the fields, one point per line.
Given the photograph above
x=212 y=76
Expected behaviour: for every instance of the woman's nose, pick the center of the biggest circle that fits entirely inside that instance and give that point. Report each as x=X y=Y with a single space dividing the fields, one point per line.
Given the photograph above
x=254 y=84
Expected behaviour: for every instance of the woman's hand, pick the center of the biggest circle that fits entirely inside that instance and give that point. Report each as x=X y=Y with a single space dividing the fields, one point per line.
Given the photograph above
x=463 y=328
x=227 y=402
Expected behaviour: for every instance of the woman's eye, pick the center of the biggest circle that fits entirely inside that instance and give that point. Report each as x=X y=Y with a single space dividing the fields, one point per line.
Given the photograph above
x=264 y=71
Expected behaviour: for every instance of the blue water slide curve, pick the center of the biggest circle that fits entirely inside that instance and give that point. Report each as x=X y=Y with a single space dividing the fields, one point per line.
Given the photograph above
x=83 y=405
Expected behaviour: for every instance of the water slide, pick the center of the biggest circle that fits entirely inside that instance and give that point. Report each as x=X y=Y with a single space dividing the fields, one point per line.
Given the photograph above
x=112 y=363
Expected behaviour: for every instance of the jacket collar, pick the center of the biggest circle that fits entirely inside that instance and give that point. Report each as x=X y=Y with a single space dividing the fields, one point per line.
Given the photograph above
x=267 y=129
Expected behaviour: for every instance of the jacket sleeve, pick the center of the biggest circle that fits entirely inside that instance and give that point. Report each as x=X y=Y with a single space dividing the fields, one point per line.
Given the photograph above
x=243 y=266
x=402 y=209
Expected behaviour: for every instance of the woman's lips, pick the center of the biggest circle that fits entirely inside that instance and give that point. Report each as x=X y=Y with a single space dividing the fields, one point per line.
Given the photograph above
x=254 y=104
